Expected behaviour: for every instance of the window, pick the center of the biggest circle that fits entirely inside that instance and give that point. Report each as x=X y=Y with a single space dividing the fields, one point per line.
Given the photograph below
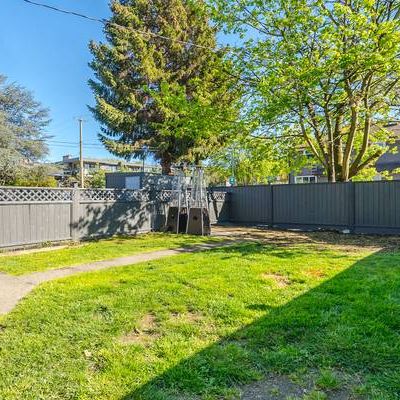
x=306 y=153
x=305 y=179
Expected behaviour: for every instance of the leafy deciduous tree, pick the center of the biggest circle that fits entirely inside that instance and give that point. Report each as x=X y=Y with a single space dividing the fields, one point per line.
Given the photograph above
x=256 y=161
x=328 y=69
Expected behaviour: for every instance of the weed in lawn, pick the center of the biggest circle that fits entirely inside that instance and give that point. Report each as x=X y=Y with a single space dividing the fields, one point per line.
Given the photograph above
x=328 y=380
x=315 y=395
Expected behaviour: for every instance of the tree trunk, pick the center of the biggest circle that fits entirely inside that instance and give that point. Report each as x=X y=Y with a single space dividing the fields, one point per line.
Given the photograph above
x=166 y=164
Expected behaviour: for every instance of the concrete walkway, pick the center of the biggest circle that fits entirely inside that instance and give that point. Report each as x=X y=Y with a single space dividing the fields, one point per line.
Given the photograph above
x=14 y=288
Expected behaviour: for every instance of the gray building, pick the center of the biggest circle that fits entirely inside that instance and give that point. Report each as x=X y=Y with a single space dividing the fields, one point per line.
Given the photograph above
x=71 y=166
x=140 y=180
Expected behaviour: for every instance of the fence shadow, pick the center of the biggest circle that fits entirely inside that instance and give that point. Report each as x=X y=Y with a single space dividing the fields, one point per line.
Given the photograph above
x=118 y=218
x=349 y=323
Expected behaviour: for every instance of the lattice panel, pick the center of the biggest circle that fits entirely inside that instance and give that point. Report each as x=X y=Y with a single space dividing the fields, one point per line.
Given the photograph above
x=168 y=196
x=34 y=195
x=217 y=196
x=66 y=195
x=165 y=196
x=113 y=195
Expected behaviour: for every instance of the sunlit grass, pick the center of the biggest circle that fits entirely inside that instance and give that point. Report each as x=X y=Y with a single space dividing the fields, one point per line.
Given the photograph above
x=203 y=324
x=94 y=251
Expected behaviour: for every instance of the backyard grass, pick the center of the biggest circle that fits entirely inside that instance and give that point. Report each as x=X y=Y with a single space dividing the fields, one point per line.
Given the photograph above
x=200 y=326
x=104 y=249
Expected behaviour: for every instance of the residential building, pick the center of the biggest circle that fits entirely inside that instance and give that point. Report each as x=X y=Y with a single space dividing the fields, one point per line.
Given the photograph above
x=71 y=166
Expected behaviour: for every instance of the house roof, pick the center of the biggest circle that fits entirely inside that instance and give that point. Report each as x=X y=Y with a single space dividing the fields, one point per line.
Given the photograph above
x=103 y=161
x=391 y=159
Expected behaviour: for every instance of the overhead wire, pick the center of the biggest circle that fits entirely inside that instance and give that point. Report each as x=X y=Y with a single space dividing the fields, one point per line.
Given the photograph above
x=106 y=22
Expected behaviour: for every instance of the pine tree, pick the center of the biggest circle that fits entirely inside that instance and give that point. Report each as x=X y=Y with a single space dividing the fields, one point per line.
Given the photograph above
x=144 y=69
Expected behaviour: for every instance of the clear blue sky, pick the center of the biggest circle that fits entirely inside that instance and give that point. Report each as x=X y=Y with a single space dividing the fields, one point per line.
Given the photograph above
x=48 y=53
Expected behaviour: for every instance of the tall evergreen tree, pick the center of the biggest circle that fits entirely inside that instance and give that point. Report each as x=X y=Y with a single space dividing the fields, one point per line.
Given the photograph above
x=154 y=90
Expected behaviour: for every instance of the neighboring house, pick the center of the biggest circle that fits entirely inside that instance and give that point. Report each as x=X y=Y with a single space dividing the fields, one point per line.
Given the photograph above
x=311 y=174
x=388 y=162
x=71 y=166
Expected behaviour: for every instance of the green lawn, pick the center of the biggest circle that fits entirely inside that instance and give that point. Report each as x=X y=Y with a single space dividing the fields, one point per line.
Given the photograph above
x=95 y=251
x=198 y=326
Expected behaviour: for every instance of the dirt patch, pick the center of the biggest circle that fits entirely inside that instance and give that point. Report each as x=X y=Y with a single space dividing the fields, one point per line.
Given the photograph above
x=321 y=239
x=280 y=280
x=316 y=273
x=278 y=387
x=144 y=333
x=189 y=316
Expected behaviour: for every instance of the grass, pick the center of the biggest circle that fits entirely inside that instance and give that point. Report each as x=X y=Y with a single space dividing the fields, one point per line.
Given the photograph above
x=95 y=251
x=197 y=326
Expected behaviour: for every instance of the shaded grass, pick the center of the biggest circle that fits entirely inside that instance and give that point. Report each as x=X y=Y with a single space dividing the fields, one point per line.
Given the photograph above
x=95 y=251
x=219 y=319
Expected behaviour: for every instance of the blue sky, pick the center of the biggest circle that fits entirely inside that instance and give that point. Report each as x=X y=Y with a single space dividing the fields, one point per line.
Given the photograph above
x=48 y=53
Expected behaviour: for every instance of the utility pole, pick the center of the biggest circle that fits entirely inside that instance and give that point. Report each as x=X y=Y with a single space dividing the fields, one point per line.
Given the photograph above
x=82 y=179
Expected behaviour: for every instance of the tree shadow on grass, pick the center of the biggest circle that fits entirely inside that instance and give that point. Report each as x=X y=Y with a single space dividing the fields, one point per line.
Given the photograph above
x=349 y=323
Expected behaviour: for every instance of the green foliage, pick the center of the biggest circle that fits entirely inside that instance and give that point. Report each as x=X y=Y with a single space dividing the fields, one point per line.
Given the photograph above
x=96 y=180
x=256 y=160
x=35 y=176
x=200 y=125
x=154 y=94
x=315 y=395
x=367 y=174
x=22 y=130
x=327 y=69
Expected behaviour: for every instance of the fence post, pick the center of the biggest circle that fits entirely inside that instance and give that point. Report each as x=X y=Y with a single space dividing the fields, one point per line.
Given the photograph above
x=352 y=213
x=75 y=215
x=272 y=205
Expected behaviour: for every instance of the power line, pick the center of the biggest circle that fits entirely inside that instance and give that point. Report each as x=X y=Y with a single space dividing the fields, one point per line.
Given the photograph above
x=106 y=22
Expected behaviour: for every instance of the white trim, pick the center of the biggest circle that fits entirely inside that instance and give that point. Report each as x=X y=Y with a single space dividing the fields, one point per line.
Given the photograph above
x=305 y=179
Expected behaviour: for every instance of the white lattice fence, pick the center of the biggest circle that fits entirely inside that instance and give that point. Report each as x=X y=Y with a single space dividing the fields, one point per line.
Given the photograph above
x=217 y=196
x=35 y=215
x=16 y=195
x=26 y=195
x=113 y=195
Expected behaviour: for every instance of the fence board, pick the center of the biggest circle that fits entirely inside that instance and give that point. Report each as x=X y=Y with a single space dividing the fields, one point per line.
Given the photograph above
x=308 y=205
x=363 y=207
x=251 y=205
x=378 y=207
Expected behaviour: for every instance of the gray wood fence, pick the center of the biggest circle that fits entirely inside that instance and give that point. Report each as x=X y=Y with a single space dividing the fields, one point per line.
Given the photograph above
x=38 y=215
x=361 y=207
